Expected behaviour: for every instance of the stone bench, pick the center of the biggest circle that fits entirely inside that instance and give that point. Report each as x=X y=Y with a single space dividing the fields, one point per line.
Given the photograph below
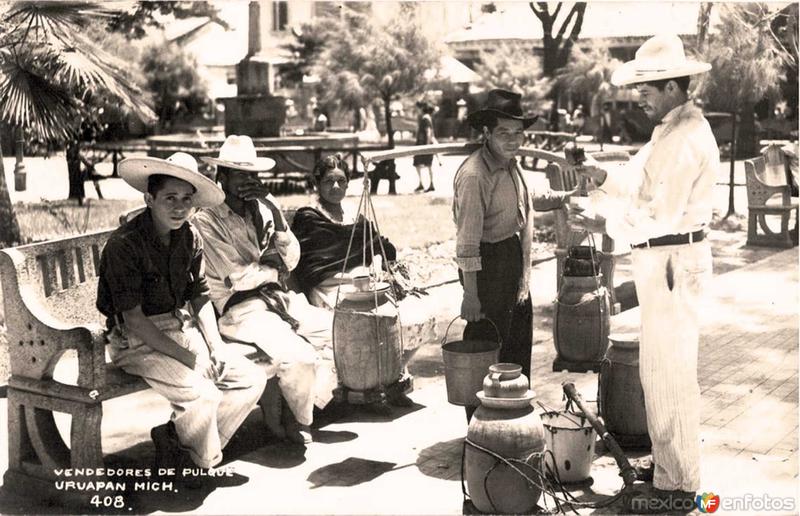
x=49 y=292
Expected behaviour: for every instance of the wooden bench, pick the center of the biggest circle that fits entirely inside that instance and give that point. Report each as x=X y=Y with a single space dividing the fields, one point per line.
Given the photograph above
x=49 y=292
x=767 y=198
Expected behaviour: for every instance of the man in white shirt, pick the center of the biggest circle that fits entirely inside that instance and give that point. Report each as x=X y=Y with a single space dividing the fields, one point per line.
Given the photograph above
x=664 y=198
x=249 y=250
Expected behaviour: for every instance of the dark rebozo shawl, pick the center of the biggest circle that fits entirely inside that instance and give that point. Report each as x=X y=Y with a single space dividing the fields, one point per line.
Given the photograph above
x=323 y=247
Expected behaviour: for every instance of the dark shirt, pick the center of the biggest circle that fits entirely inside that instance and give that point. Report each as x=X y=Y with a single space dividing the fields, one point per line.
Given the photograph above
x=425 y=123
x=136 y=268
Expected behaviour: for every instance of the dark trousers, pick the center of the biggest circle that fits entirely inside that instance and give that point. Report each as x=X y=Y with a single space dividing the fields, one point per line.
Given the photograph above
x=498 y=283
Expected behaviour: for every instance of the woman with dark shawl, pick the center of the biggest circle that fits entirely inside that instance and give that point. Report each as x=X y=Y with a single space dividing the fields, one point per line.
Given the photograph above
x=324 y=230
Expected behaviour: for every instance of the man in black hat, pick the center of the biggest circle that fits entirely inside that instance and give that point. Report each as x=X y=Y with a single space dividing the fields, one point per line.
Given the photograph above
x=492 y=211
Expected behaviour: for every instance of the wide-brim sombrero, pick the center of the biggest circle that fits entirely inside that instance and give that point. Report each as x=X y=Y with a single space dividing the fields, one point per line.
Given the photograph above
x=136 y=171
x=660 y=57
x=239 y=152
x=254 y=165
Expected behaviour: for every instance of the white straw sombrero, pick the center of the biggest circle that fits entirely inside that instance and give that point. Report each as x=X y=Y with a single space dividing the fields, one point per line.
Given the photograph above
x=135 y=172
x=239 y=152
x=660 y=57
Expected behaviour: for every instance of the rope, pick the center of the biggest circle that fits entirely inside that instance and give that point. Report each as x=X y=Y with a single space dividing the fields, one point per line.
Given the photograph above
x=550 y=485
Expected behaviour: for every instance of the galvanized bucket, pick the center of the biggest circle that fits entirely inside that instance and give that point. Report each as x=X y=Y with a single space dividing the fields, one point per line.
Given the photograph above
x=570 y=440
x=466 y=363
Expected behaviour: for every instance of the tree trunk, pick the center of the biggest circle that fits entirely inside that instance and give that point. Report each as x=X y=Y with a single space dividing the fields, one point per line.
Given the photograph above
x=387 y=113
x=746 y=146
x=76 y=176
x=9 y=227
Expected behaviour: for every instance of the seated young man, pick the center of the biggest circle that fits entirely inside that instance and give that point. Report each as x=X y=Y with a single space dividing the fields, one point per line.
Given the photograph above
x=249 y=250
x=162 y=327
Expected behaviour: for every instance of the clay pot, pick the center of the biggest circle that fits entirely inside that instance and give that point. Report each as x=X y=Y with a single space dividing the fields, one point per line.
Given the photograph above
x=505 y=380
x=514 y=434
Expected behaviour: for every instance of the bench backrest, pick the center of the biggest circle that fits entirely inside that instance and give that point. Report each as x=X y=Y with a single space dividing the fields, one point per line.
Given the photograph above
x=54 y=283
x=761 y=188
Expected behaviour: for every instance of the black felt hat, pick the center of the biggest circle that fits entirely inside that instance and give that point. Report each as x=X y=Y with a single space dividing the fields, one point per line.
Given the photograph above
x=501 y=104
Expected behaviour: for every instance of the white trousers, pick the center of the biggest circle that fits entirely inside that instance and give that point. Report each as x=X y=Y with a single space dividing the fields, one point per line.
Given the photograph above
x=304 y=358
x=670 y=283
x=205 y=413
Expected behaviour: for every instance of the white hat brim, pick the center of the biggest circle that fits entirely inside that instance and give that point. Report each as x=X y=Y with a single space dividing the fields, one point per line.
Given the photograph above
x=634 y=72
x=135 y=172
x=260 y=165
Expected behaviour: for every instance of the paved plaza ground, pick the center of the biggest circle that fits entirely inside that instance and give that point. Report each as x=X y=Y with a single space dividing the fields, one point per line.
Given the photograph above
x=409 y=463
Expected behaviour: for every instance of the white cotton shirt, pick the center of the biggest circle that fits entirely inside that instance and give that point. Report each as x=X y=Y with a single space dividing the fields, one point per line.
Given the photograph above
x=232 y=251
x=667 y=186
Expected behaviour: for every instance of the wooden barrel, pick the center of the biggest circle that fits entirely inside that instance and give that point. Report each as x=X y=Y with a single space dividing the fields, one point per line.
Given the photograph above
x=367 y=345
x=581 y=320
x=620 y=396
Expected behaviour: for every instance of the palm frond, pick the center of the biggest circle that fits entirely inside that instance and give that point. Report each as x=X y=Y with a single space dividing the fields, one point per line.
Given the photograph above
x=53 y=17
x=27 y=99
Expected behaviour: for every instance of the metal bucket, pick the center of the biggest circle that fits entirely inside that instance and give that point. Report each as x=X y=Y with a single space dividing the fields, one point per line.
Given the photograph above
x=570 y=438
x=466 y=363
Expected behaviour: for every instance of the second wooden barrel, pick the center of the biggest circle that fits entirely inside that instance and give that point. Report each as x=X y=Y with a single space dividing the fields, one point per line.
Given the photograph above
x=367 y=345
x=581 y=320
x=620 y=396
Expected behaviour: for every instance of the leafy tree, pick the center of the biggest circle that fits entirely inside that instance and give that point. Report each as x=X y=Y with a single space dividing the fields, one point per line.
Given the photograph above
x=364 y=59
x=172 y=78
x=747 y=65
x=307 y=44
x=556 y=42
x=510 y=68
x=134 y=22
x=54 y=79
x=587 y=76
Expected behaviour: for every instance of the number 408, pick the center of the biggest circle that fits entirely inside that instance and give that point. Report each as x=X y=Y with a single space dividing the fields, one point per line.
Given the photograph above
x=108 y=501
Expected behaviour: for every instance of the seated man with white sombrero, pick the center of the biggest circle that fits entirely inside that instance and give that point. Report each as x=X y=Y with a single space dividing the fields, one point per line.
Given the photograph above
x=161 y=324
x=249 y=250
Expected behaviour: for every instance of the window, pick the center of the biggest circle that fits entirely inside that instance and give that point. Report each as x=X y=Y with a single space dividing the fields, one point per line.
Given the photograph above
x=280 y=15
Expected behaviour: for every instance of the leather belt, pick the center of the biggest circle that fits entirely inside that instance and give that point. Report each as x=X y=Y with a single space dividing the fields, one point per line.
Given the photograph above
x=683 y=238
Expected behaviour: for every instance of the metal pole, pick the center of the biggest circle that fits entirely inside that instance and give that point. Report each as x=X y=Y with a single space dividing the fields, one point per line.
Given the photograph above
x=20 y=182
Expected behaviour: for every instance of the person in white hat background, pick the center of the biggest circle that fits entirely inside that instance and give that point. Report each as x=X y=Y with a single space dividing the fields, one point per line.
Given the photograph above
x=664 y=197
x=249 y=251
x=161 y=324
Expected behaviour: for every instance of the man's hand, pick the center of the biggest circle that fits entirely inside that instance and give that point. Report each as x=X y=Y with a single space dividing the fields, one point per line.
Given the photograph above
x=578 y=221
x=524 y=288
x=252 y=189
x=206 y=366
x=471 y=308
x=218 y=364
x=596 y=174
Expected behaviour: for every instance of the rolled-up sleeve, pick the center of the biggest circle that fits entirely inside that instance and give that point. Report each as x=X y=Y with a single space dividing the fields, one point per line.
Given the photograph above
x=546 y=200
x=288 y=247
x=468 y=210
x=285 y=241
x=197 y=286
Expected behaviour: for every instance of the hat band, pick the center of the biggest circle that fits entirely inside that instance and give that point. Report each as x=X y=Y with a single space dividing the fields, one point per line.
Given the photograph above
x=240 y=163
